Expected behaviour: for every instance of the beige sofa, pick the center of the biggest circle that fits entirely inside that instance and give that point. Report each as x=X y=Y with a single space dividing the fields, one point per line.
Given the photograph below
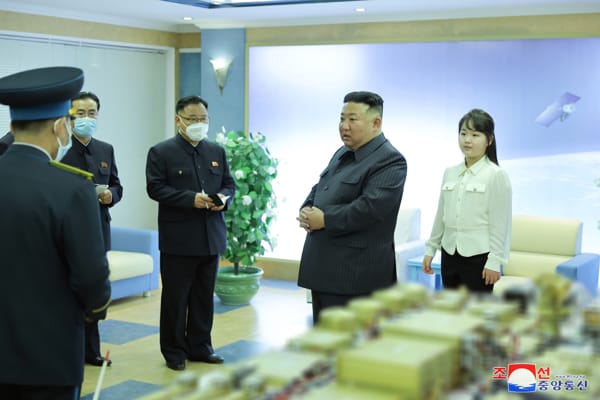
x=541 y=245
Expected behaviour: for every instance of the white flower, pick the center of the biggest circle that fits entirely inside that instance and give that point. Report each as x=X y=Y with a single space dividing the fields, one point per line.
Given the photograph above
x=246 y=200
x=273 y=242
x=256 y=136
x=271 y=170
x=239 y=174
x=221 y=139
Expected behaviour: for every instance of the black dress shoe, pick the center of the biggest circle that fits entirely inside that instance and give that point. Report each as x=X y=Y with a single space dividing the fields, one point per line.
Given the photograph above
x=176 y=366
x=212 y=358
x=97 y=361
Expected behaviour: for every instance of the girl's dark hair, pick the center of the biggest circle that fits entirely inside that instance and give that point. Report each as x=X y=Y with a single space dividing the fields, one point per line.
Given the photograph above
x=481 y=121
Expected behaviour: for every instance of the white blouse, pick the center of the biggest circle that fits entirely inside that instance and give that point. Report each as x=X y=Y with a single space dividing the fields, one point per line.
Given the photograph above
x=474 y=213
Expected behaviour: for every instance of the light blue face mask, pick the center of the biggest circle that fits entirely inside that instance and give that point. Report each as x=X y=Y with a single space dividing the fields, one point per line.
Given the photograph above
x=85 y=127
x=62 y=150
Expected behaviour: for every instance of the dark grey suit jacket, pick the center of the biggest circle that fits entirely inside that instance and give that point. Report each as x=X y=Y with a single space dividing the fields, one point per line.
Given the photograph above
x=175 y=172
x=354 y=254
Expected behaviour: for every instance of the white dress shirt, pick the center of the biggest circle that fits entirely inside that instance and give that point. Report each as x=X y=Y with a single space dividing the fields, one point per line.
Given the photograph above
x=474 y=213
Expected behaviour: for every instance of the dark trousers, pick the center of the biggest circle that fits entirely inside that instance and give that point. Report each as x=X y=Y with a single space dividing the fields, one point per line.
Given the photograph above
x=186 y=306
x=28 y=392
x=458 y=270
x=92 y=340
x=322 y=300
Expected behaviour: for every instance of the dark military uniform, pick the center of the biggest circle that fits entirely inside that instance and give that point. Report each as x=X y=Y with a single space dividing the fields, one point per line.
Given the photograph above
x=54 y=269
x=5 y=142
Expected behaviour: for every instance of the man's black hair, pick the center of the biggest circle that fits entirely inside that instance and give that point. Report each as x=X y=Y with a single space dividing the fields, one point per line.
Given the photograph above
x=87 y=95
x=373 y=100
x=187 y=100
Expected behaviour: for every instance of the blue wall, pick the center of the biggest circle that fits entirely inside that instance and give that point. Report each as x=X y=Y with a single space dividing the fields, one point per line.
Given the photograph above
x=227 y=109
x=189 y=74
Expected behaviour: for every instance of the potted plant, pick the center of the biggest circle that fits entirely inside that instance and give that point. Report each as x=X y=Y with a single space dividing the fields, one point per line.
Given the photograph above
x=249 y=215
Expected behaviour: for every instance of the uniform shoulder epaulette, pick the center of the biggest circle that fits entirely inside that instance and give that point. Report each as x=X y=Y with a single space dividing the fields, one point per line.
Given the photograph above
x=69 y=168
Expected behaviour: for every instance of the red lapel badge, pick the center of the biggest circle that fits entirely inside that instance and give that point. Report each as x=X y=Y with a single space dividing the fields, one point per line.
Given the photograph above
x=103 y=164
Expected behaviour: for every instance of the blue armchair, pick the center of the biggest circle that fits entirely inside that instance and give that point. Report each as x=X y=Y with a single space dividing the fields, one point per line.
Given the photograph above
x=133 y=261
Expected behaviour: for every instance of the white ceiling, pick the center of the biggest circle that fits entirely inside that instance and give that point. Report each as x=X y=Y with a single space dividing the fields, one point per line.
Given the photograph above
x=156 y=14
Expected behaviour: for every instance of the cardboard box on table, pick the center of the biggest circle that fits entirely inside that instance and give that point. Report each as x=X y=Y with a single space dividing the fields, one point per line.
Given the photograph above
x=436 y=326
x=338 y=391
x=410 y=367
x=280 y=367
x=322 y=341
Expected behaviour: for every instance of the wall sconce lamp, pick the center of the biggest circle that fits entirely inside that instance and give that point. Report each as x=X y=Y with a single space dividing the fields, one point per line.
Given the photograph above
x=221 y=67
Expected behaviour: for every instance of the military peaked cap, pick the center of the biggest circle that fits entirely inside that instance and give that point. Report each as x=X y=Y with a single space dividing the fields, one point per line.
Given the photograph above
x=41 y=93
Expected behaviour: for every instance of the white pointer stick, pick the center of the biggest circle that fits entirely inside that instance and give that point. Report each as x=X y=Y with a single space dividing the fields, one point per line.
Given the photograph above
x=101 y=377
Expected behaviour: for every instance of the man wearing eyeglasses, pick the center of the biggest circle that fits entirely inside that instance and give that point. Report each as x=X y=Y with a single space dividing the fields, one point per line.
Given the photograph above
x=98 y=157
x=182 y=173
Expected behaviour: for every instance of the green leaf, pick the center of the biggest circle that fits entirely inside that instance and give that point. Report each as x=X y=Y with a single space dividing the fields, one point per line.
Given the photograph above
x=248 y=226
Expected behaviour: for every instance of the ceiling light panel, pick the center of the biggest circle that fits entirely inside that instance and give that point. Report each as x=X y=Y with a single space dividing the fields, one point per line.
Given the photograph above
x=251 y=3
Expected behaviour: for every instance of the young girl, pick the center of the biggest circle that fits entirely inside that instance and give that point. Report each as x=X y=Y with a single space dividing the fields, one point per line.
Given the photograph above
x=473 y=220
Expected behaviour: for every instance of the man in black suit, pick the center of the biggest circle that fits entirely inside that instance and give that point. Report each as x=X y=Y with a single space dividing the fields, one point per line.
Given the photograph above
x=5 y=142
x=97 y=157
x=181 y=173
x=350 y=214
x=54 y=268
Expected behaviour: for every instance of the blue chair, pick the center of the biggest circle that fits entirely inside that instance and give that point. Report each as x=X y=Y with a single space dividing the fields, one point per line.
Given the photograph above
x=134 y=261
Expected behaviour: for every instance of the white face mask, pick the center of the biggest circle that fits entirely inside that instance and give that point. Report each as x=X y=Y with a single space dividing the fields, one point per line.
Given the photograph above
x=197 y=132
x=62 y=150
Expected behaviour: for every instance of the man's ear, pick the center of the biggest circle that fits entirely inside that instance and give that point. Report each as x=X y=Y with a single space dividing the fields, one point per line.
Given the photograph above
x=377 y=123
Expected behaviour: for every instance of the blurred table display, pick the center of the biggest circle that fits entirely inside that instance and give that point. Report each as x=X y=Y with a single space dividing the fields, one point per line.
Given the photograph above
x=408 y=343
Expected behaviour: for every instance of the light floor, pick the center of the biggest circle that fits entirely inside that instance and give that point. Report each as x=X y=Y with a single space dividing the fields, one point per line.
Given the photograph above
x=277 y=313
